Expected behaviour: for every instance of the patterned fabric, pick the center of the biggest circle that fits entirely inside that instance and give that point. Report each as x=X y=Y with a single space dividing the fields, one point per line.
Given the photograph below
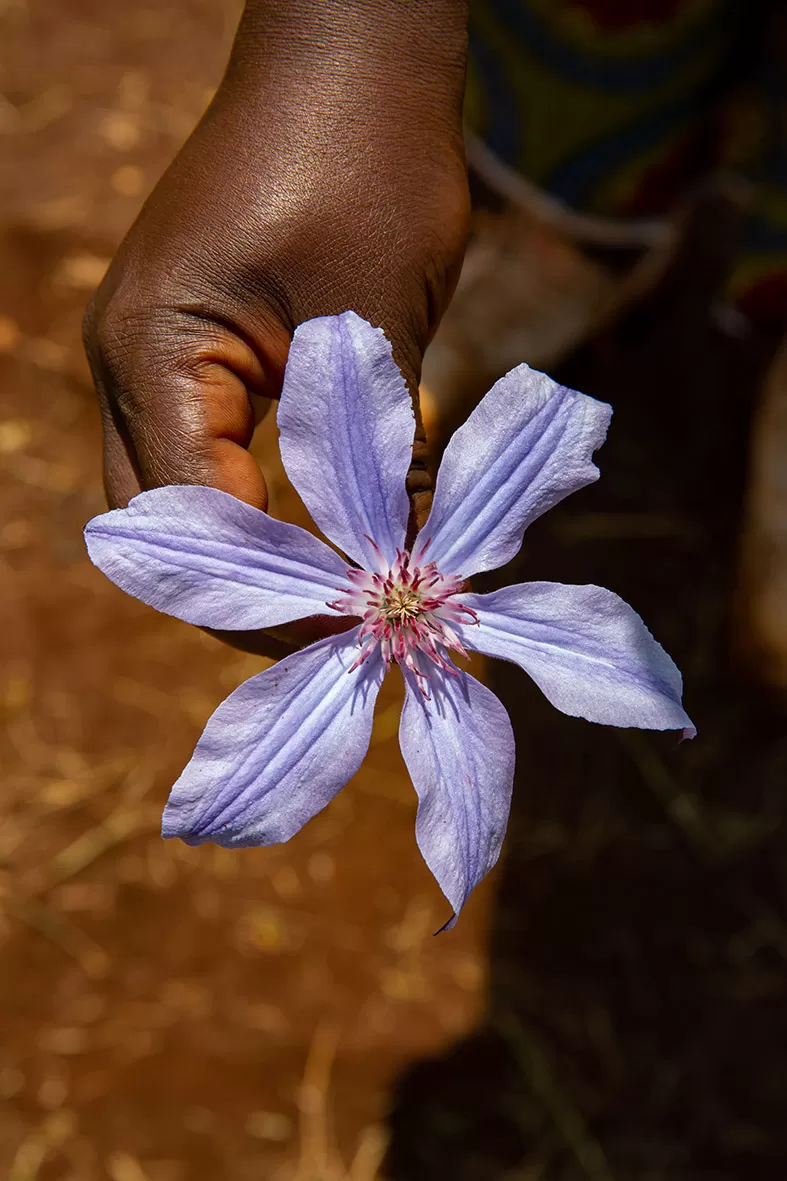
x=616 y=107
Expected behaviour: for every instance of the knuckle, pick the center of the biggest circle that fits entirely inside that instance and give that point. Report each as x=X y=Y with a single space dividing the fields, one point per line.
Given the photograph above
x=124 y=342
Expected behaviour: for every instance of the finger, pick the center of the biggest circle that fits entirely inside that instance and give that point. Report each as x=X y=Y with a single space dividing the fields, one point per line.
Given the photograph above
x=420 y=475
x=186 y=401
x=121 y=477
x=121 y=472
x=186 y=418
x=420 y=480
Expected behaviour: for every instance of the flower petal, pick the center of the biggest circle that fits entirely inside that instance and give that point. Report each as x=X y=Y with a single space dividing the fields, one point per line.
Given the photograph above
x=212 y=560
x=278 y=749
x=347 y=430
x=587 y=650
x=526 y=445
x=459 y=749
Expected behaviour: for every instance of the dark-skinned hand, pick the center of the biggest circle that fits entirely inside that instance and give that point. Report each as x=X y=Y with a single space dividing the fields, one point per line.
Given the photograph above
x=328 y=173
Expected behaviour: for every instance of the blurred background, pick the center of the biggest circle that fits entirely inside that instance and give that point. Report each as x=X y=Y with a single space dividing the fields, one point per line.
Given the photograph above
x=165 y=1012
x=613 y=1002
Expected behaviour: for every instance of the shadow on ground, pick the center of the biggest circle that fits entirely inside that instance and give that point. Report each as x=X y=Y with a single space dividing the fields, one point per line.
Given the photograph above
x=638 y=1009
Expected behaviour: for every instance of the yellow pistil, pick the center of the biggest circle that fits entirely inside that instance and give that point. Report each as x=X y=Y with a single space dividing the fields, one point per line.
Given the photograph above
x=400 y=604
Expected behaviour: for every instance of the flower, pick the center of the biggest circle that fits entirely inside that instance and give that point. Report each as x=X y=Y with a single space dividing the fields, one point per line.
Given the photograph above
x=284 y=743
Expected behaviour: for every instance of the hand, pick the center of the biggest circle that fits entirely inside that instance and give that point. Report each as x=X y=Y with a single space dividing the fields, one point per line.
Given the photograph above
x=328 y=173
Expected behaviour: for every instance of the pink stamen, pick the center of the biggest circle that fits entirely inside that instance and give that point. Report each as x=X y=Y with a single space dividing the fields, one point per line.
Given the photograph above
x=409 y=611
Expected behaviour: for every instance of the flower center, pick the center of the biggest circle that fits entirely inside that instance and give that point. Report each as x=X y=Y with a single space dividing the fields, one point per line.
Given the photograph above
x=401 y=604
x=410 y=612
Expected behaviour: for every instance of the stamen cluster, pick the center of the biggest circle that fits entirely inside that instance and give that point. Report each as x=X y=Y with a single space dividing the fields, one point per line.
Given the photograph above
x=407 y=610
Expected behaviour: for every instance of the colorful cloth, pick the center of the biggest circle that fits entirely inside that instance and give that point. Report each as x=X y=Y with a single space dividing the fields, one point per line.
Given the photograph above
x=615 y=108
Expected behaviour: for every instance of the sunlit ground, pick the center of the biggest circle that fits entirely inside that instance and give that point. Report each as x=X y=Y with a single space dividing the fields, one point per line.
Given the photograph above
x=165 y=1012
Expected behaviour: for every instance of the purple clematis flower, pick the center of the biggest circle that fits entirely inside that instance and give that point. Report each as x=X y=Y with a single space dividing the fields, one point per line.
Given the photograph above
x=284 y=743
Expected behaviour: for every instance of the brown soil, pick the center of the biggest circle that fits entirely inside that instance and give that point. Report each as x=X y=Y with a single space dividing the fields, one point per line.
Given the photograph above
x=165 y=1013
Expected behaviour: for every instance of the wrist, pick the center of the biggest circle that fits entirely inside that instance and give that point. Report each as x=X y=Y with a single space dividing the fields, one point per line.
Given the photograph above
x=387 y=59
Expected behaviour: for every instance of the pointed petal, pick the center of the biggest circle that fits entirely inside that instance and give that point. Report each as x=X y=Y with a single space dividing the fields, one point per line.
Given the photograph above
x=278 y=749
x=587 y=650
x=347 y=430
x=459 y=749
x=526 y=446
x=205 y=557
